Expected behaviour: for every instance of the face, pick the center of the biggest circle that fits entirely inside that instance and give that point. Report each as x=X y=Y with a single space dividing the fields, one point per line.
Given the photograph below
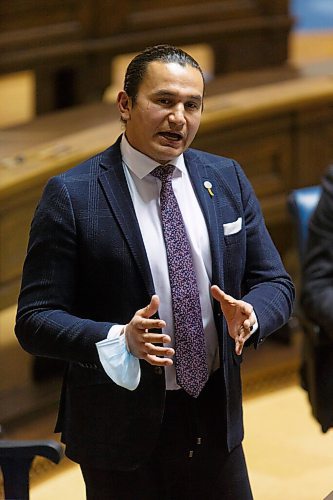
x=166 y=115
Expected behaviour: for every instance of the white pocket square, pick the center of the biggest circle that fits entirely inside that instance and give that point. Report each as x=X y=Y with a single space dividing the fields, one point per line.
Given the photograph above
x=232 y=227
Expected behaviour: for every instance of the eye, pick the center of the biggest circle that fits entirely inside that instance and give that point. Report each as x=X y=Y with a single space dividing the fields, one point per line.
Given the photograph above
x=164 y=101
x=192 y=105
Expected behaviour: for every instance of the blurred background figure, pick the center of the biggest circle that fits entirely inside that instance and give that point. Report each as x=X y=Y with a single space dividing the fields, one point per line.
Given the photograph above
x=317 y=306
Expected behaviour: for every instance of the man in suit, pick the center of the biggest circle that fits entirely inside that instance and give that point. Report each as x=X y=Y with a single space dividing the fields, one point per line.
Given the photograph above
x=146 y=413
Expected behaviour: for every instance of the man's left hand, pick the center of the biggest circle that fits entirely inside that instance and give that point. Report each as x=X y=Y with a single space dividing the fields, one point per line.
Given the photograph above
x=239 y=316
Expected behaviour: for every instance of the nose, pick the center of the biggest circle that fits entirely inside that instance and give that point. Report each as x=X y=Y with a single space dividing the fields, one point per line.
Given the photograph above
x=177 y=115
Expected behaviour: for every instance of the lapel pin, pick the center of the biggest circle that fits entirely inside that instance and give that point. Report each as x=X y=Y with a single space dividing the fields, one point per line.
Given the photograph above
x=208 y=185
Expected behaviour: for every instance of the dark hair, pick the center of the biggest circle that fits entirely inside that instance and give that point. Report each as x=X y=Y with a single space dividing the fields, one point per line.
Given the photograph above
x=137 y=68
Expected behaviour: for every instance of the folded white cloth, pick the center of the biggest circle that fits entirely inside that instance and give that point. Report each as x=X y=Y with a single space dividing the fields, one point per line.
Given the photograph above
x=232 y=227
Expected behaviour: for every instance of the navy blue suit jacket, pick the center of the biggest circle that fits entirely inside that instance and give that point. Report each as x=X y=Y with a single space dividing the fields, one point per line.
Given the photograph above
x=87 y=269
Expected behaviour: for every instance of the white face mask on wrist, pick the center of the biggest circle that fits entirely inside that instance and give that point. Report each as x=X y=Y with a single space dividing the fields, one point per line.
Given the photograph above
x=119 y=364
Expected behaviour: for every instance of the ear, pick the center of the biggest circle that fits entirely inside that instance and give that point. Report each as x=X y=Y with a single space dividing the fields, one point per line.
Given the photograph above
x=124 y=106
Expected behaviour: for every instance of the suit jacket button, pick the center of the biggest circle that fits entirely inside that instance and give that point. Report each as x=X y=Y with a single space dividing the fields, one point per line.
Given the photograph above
x=158 y=370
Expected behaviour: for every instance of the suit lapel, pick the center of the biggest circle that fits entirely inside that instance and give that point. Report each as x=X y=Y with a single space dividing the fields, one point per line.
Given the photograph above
x=200 y=173
x=114 y=185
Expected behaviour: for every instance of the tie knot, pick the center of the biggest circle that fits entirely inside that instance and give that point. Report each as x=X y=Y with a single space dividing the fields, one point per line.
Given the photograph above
x=163 y=172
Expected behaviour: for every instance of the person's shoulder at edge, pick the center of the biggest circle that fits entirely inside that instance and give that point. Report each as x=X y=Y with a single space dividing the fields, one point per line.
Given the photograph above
x=328 y=176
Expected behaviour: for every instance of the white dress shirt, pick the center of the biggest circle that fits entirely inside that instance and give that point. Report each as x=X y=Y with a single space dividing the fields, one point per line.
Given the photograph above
x=145 y=191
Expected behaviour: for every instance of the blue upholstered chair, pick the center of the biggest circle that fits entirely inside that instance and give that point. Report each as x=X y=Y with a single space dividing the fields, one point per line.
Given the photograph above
x=302 y=203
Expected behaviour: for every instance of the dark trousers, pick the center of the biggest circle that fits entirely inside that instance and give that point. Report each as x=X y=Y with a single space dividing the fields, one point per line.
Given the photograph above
x=190 y=461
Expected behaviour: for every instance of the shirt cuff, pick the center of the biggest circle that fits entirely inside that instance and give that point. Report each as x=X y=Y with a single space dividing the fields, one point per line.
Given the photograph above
x=119 y=364
x=255 y=326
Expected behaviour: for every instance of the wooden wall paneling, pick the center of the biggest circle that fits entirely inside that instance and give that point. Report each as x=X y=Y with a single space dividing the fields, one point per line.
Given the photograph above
x=313 y=143
x=264 y=149
x=107 y=18
x=149 y=14
x=63 y=83
x=275 y=7
x=28 y=23
x=15 y=219
x=65 y=39
x=95 y=77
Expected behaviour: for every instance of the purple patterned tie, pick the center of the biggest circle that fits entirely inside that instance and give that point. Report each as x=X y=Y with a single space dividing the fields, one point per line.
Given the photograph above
x=190 y=352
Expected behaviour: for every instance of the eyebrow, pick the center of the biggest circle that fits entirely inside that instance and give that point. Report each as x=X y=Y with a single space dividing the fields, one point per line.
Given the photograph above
x=163 y=92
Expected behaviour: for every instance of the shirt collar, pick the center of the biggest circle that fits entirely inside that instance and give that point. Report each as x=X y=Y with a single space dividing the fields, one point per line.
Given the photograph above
x=140 y=164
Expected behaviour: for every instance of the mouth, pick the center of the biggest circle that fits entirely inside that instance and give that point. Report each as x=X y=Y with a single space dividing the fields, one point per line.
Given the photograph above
x=172 y=136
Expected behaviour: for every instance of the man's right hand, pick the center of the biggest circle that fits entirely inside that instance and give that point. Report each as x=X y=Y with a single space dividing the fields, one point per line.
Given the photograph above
x=141 y=342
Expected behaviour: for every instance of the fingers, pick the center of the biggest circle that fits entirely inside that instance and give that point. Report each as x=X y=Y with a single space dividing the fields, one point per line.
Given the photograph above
x=219 y=295
x=141 y=341
x=151 y=308
x=238 y=315
x=156 y=361
x=246 y=308
x=142 y=319
x=227 y=300
x=144 y=324
x=243 y=335
x=154 y=353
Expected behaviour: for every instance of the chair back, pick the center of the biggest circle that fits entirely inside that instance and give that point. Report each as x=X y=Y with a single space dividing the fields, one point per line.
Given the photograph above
x=302 y=203
x=16 y=457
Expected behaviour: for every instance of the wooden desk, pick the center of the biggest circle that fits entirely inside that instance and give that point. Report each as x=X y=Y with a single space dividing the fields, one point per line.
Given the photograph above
x=281 y=133
x=30 y=155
